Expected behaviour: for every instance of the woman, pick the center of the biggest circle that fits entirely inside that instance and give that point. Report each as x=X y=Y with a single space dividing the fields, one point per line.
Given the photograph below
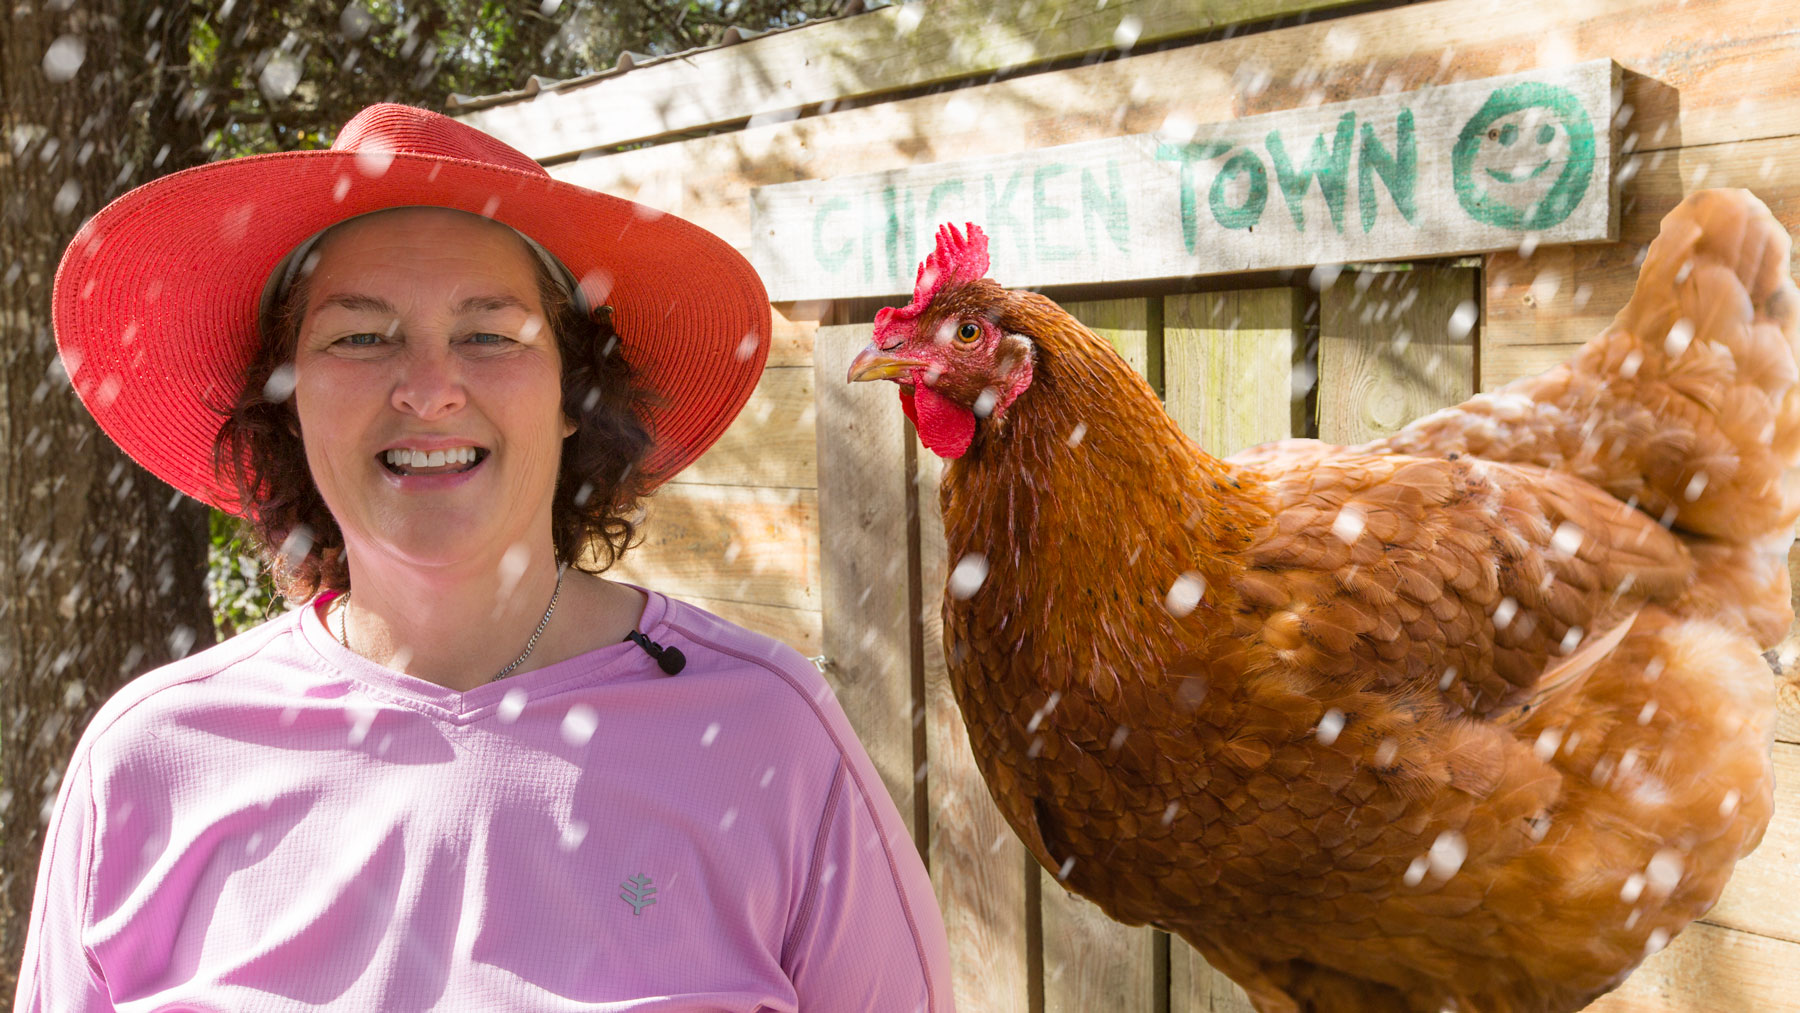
x=468 y=773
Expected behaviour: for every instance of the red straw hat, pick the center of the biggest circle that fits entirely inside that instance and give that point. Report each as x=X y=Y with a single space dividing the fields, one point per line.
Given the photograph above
x=157 y=297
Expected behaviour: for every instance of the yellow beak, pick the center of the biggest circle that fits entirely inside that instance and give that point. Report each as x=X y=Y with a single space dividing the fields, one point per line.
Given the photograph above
x=874 y=364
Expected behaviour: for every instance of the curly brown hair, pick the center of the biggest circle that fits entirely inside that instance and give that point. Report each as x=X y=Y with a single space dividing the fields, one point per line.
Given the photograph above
x=600 y=481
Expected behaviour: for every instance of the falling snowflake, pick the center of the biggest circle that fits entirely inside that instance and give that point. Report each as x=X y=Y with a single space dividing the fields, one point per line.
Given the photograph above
x=1348 y=525
x=1681 y=335
x=967 y=577
x=511 y=706
x=1126 y=35
x=1329 y=726
x=64 y=58
x=1462 y=320
x=1566 y=541
x=1185 y=594
x=1504 y=613
x=1447 y=854
x=579 y=724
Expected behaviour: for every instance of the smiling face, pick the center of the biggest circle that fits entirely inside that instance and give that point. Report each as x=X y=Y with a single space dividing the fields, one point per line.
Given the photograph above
x=1525 y=159
x=1521 y=145
x=427 y=386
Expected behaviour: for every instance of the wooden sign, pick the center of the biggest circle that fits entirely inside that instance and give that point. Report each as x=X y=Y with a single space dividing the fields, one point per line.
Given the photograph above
x=1464 y=168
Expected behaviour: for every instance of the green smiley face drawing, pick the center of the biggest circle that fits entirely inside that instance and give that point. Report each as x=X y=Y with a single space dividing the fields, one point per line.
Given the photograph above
x=1504 y=156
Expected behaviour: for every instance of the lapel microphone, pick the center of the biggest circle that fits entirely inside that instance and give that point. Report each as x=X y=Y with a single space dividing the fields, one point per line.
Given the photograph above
x=669 y=659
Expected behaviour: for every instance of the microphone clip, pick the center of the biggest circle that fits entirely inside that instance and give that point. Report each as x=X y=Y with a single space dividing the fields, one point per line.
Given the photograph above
x=669 y=659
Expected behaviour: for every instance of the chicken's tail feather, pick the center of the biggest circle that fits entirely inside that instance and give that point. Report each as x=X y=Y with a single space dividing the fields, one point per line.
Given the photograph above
x=1688 y=406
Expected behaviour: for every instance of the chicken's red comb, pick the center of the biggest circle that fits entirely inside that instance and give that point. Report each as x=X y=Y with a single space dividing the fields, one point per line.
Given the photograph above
x=958 y=259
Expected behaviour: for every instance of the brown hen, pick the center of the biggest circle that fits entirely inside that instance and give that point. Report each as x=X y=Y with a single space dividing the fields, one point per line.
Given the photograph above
x=1472 y=717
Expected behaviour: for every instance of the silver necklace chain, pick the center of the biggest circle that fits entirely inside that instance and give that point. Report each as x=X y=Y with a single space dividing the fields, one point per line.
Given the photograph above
x=343 y=610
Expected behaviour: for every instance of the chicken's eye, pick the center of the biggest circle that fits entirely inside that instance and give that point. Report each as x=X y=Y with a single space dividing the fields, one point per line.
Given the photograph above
x=968 y=332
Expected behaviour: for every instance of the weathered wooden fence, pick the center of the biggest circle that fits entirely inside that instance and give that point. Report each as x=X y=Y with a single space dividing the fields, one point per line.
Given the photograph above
x=815 y=519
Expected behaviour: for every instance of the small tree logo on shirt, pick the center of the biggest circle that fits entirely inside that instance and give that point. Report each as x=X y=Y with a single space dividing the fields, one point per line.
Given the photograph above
x=638 y=893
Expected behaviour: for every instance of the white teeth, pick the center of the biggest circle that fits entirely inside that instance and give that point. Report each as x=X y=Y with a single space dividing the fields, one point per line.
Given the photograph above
x=405 y=458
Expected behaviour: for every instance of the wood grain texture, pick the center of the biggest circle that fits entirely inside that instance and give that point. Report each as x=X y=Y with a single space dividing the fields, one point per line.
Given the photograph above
x=1564 y=295
x=1708 y=969
x=977 y=864
x=1124 y=323
x=1502 y=364
x=1228 y=364
x=800 y=629
x=1197 y=987
x=1765 y=885
x=884 y=50
x=1387 y=350
x=1379 y=177
x=1787 y=686
x=863 y=541
x=772 y=442
x=1090 y=961
x=730 y=543
x=1710 y=91
x=791 y=333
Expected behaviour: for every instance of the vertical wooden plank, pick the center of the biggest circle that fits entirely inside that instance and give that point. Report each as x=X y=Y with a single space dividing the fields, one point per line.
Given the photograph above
x=977 y=864
x=1123 y=323
x=864 y=558
x=1090 y=961
x=1228 y=365
x=1197 y=987
x=1394 y=345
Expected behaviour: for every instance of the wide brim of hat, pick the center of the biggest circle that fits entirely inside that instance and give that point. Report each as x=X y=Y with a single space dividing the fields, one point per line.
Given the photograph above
x=156 y=299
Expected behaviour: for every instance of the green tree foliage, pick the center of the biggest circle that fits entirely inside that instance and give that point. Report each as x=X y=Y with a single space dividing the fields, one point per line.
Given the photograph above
x=280 y=75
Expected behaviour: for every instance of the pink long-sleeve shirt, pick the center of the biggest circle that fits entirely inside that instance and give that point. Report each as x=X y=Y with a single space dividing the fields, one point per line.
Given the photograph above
x=278 y=823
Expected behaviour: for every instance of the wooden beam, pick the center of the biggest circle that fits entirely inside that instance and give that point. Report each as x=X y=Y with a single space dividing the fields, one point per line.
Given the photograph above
x=1394 y=346
x=864 y=545
x=904 y=46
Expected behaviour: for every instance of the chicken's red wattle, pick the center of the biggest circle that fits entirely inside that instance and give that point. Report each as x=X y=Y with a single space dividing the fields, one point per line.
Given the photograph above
x=945 y=427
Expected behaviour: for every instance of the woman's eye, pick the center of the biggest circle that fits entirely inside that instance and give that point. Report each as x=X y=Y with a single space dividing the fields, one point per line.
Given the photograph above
x=360 y=340
x=488 y=338
x=968 y=332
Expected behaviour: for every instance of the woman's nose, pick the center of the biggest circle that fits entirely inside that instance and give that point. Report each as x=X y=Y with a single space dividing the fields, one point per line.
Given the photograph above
x=430 y=384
